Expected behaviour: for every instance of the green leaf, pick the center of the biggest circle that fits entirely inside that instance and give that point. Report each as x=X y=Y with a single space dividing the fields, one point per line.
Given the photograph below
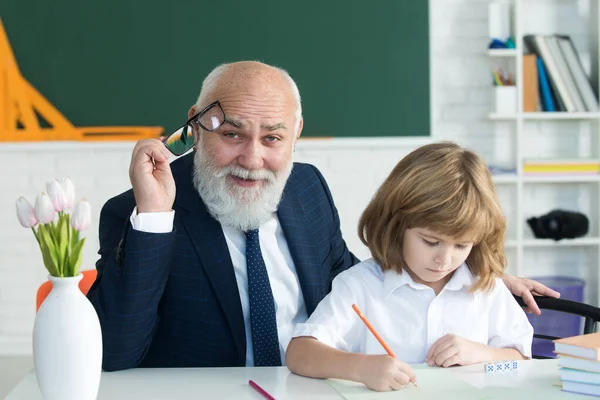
x=74 y=236
x=48 y=253
x=75 y=257
x=48 y=261
x=63 y=243
x=51 y=229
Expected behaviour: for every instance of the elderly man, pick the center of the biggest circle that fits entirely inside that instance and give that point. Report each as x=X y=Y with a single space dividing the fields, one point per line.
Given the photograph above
x=219 y=274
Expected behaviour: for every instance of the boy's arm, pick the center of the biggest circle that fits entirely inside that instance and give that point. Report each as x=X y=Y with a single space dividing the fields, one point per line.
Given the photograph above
x=509 y=335
x=452 y=350
x=326 y=345
x=307 y=356
x=509 y=327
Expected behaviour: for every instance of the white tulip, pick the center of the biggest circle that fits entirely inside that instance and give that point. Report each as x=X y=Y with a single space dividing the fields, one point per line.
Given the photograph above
x=44 y=210
x=25 y=213
x=57 y=195
x=69 y=189
x=82 y=216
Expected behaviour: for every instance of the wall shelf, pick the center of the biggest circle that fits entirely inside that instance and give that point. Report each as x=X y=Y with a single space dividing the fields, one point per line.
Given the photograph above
x=540 y=116
x=502 y=52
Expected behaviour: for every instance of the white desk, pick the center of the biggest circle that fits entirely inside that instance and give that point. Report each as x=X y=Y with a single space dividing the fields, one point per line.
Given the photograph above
x=195 y=383
x=534 y=380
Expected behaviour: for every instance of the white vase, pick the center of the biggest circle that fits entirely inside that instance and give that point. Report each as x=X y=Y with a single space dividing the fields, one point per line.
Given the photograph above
x=67 y=343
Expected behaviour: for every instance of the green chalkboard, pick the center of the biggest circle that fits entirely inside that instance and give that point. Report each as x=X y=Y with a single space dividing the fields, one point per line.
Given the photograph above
x=362 y=67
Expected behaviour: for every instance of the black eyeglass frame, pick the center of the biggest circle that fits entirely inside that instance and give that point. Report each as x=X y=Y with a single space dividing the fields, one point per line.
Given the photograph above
x=196 y=120
x=201 y=113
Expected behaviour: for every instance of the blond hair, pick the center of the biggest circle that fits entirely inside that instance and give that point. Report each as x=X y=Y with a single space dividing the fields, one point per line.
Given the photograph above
x=444 y=188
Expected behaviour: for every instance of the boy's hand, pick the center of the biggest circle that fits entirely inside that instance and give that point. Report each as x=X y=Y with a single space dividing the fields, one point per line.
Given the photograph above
x=454 y=350
x=384 y=373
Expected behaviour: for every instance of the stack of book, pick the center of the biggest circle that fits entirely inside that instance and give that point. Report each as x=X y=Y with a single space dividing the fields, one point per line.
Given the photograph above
x=561 y=167
x=579 y=360
x=562 y=80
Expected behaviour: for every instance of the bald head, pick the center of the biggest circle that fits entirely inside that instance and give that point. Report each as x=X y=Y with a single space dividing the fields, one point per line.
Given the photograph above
x=253 y=79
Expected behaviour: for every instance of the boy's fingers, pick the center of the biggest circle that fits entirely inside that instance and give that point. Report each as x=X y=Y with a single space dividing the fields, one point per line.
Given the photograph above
x=445 y=355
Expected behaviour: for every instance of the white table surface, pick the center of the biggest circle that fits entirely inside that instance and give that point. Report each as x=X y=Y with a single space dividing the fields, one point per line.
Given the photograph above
x=195 y=383
x=535 y=379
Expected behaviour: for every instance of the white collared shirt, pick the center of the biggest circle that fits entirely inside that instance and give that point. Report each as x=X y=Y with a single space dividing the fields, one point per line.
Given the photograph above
x=289 y=301
x=410 y=317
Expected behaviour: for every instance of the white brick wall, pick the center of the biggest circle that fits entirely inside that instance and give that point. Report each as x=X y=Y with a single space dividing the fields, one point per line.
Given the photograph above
x=460 y=93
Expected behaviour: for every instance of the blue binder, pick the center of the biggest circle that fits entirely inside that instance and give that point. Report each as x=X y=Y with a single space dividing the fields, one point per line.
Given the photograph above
x=545 y=92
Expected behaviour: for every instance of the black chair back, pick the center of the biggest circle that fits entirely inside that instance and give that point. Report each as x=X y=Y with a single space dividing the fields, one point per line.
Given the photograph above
x=590 y=313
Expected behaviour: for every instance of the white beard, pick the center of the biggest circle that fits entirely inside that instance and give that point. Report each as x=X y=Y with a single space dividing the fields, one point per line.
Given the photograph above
x=244 y=208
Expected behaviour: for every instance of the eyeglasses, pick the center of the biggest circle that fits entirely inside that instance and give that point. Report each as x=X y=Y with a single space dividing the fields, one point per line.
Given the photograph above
x=183 y=139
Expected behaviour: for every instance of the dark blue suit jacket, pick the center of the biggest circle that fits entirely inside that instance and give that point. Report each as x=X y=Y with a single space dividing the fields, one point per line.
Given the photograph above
x=171 y=299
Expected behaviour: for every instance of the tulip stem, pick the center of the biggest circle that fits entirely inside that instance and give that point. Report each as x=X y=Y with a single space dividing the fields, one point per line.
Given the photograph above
x=68 y=258
x=35 y=234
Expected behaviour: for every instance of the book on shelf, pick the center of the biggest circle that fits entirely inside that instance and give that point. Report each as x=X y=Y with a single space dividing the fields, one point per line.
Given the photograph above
x=561 y=166
x=546 y=95
x=576 y=68
x=530 y=83
x=562 y=80
x=538 y=45
x=551 y=169
x=582 y=346
x=563 y=175
x=565 y=73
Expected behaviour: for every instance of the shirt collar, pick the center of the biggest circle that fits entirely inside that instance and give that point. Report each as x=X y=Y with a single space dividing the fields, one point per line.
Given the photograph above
x=462 y=278
x=393 y=280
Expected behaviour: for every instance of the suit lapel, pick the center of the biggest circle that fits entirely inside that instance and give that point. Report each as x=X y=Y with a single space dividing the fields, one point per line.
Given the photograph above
x=296 y=227
x=209 y=242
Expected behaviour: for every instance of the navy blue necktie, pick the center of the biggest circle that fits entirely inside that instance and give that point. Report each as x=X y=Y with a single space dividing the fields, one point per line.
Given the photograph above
x=262 y=306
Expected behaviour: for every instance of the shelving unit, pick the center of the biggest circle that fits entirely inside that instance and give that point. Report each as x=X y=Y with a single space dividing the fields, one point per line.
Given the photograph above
x=578 y=134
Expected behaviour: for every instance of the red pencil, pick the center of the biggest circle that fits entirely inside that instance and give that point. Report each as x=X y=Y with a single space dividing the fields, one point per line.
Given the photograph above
x=374 y=332
x=260 y=390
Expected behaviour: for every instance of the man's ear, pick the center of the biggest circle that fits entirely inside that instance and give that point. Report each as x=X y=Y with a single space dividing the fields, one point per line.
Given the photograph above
x=192 y=111
x=300 y=126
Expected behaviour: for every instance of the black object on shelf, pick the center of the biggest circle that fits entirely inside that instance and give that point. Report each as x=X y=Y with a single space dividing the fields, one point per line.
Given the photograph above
x=559 y=224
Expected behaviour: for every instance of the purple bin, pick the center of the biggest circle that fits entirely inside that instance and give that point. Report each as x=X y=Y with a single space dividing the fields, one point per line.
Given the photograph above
x=554 y=323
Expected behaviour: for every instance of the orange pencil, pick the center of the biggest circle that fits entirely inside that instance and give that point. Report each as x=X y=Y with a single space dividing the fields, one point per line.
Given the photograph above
x=374 y=332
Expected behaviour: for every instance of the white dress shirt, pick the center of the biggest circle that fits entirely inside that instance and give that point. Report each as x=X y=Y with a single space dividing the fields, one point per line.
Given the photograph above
x=289 y=301
x=410 y=317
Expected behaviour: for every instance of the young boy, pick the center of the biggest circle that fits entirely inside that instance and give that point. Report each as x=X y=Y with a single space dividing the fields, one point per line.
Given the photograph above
x=432 y=289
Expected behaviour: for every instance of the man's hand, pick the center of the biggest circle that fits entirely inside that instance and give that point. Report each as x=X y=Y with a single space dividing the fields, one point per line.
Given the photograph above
x=527 y=289
x=451 y=350
x=151 y=178
x=384 y=373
